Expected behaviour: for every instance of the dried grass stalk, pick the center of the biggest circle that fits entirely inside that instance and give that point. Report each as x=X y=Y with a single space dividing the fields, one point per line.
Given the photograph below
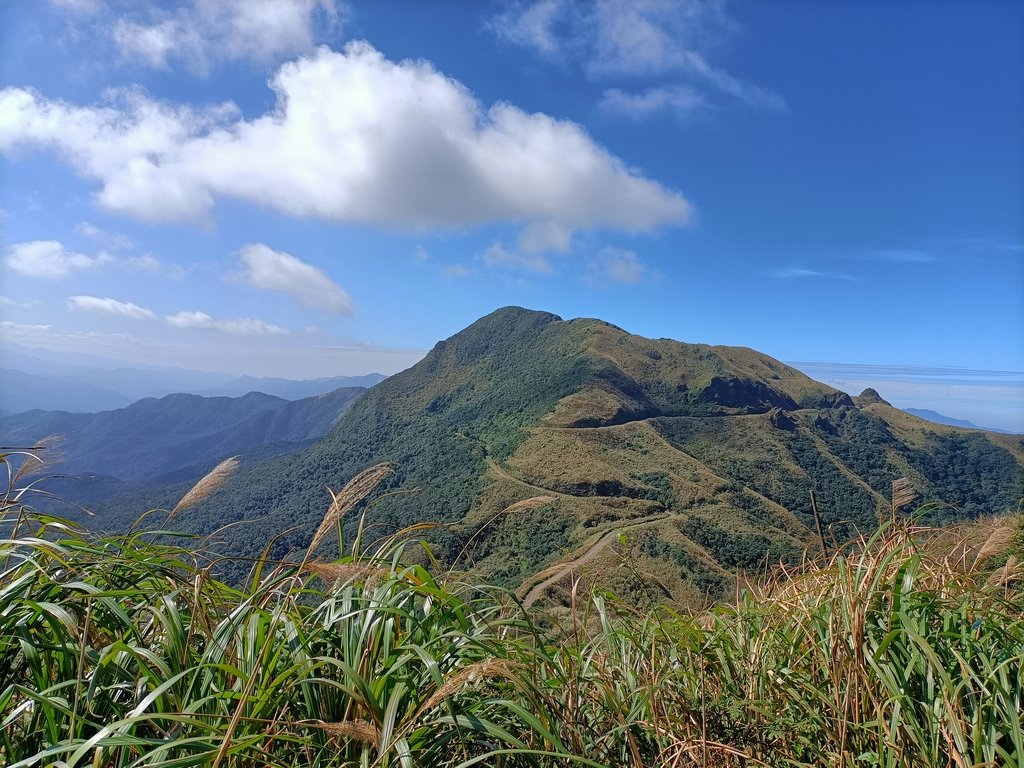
x=533 y=502
x=996 y=543
x=902 y=493
x=481 y=670
x=210 y=483
x=342 y=573
x=354 y=730
x=358 y=488
x=50 y=445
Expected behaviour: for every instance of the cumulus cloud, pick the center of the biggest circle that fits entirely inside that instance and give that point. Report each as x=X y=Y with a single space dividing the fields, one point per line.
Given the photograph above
x=204 y=32
x=112 y=307
x=634 y=38
x=354 y=137
x=272 y=270
x=245 y=326
x=49 y=259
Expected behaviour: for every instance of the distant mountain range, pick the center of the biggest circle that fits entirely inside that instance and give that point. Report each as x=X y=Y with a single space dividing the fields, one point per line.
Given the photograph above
x=658 y=468
x=90 y=457
x=938 y=418
x=40 y=379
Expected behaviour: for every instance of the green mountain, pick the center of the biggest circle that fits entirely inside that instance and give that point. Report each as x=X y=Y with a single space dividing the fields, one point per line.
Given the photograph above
x=168 y=440
x=662 y=468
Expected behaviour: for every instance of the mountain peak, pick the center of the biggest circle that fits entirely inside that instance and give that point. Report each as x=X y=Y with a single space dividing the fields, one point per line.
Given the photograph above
x=869 y=397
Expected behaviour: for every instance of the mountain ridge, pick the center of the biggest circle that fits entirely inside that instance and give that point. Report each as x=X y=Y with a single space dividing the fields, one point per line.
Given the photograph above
x=694 y=461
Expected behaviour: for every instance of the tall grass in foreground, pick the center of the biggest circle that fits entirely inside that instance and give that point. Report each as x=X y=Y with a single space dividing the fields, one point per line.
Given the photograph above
x=901 y=651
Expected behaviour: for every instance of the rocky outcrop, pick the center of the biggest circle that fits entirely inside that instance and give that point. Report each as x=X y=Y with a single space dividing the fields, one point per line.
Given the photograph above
x=747 y=395
x=869 y=397
x=834 y=399
x=780 y=419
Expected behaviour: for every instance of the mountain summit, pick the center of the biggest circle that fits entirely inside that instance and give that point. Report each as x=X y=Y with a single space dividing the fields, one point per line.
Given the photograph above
x=687 y=462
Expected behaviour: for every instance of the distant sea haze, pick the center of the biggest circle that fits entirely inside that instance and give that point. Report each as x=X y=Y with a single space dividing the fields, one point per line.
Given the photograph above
x=988 y=399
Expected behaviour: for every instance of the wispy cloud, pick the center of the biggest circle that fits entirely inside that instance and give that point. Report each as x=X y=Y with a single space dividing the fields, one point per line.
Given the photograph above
x=629 y=39
x=271 y=270
x=457 y=270
x=199 y=34
x=497 y=255
x=8 y=302
x=615 y=265
x=798 y=273
x=680 y=100
x=244 y=326
x=106 y=306
x=111 y=241
x=899 y=256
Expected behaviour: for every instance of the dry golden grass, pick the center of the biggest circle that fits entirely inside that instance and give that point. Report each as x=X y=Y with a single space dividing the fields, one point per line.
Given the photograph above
x=337 y=574
x=343 y=502
x=45 y=451
x=205 y=487
x=362 y=731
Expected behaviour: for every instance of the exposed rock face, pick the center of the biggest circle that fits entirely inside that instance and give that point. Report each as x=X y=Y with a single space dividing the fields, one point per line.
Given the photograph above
x=748 y=394
x=868 y=397
x=824 y=424
x=836 y=399
x=781 y=420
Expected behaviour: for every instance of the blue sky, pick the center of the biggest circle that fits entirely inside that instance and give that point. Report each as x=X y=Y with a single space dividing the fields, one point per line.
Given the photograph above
x=306 y=188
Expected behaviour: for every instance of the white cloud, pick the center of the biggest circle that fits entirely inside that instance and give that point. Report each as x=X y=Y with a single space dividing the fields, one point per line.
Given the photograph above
x=354 y=137
x=498 y=255
x=202 y=33
x=106 y=306
x=679 y=99
x=49 y=259
x=245 y=326
x=634 y=38
x=616 y=265
x=272 y=270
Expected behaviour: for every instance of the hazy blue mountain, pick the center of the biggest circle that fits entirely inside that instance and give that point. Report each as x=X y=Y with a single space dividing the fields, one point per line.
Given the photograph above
x=171 y=439
x=290 y=389
x=938 y=418
x=41 y=379
x=20 y=391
